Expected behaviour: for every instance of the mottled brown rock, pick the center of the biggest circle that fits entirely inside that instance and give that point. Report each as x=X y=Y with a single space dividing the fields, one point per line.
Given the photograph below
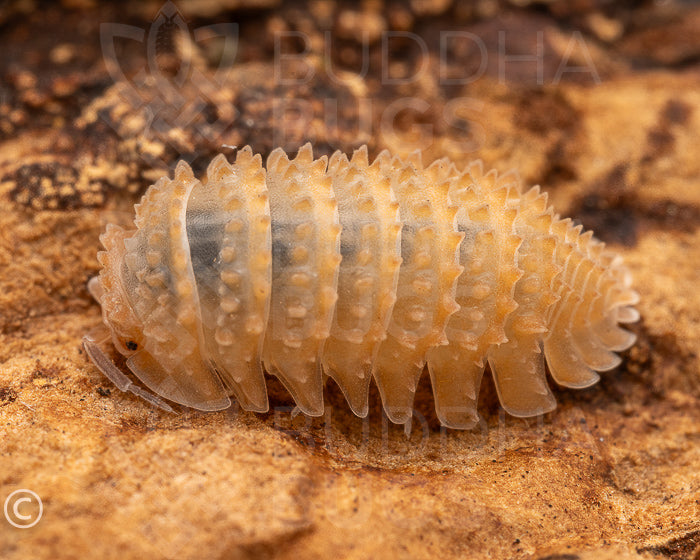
x=613 y=473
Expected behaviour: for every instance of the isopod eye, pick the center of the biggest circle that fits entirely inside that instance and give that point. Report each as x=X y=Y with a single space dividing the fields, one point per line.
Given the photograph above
x=131 y=345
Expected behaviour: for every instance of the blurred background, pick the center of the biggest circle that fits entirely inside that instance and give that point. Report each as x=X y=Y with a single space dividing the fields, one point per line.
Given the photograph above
x=597 y=101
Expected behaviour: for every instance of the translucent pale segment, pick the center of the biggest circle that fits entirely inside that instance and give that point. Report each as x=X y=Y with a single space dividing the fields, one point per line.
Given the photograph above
x=565 y=363
x=589 y=348
x=456 y=369
x=601 y=284
x=518 y=365
x=520 y=379
x=368 y=275
x=180 y=384
x=604 y=319
x=426 y=287
x=305 y=259
x=484 y=293
x=158 y=280
x=228 y=226
x=583 y=330
x=627 y=315
x=456 y=377
x=612 y=336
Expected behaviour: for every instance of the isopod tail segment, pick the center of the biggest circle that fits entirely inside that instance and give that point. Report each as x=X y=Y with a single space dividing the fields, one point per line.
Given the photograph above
x=340 y=267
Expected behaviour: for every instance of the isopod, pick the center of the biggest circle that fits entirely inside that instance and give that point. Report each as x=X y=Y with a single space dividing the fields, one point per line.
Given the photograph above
x=335 y=267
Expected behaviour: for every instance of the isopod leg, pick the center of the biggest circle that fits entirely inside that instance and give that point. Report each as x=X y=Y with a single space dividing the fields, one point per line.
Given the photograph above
x=455 y=379
x=117 y=377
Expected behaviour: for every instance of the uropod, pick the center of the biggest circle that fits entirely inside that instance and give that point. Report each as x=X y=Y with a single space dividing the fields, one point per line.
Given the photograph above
x=356 y=270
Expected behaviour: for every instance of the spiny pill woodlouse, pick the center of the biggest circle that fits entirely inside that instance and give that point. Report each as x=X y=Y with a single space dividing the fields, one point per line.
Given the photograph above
x=334 y=267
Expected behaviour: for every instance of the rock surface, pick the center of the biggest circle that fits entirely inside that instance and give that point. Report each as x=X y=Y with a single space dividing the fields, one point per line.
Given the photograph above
x=607 y=121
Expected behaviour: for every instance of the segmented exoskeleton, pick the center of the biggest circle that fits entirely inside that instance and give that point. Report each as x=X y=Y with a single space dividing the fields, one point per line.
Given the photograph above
x=356 y=270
